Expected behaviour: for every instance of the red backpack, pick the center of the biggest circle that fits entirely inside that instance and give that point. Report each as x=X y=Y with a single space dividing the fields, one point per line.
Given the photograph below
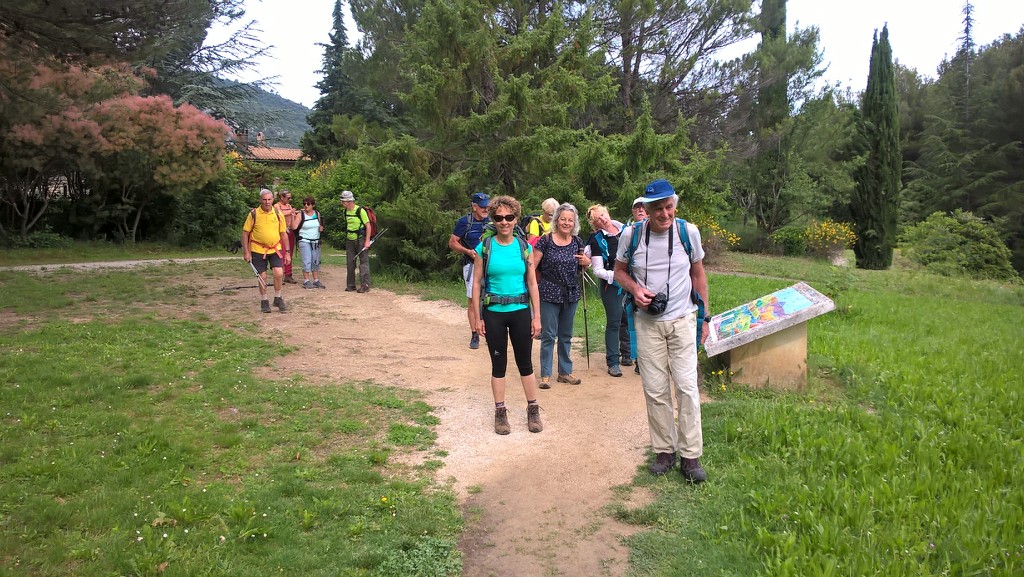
x=371 y=221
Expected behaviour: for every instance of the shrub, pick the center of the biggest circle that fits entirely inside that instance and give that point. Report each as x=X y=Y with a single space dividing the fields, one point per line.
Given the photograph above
x=715 y=239
x=827 y=238
x=791 y=240
x=959 y=244
x=40 y=239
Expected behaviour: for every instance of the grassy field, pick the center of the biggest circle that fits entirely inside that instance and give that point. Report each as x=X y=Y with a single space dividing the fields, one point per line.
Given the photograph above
x=136 y=444
x=904 y=455
x=133 y=444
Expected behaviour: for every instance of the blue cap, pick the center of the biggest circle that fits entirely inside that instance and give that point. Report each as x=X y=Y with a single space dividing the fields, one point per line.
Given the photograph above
x=657 y=190
x=481 y=199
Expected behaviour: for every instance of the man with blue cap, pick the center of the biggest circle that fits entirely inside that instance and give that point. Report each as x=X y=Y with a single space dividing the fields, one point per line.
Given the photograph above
x=663 y=270
x=464 y=240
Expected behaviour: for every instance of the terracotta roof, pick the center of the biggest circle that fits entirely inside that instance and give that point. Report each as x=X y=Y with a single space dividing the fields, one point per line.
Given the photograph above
x=272 y=153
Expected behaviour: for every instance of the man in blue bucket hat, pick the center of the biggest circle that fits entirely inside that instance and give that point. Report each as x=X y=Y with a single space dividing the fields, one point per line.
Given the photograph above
x=660 y=263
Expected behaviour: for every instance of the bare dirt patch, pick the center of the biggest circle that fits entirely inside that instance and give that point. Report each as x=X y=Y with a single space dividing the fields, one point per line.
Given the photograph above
x=534 y=504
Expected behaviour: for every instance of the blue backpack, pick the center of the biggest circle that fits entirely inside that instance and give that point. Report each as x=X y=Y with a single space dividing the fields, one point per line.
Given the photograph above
x=634 y=242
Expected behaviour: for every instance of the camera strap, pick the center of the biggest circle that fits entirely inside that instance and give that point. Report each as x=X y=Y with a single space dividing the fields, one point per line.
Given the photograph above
x=647 y=255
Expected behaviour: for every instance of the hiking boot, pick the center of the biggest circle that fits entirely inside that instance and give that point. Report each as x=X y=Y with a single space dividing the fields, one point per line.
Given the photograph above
x=501 y=421
x=636 y=367
x=692 y=471
x=279 y=303
x=570 y=378
x=615 y=371
x=363 y=289
x=474 y=341
x=626 y=362
x=545 y=383
x=306 y=284
x=290 y=280
x=533 y=418
x=265 y=306
x=349 y=289
x=663 y=463
x=318 y=284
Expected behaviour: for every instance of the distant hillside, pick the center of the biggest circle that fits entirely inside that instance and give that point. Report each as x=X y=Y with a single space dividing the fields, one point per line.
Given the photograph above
x=282 y=121
x=286 y=120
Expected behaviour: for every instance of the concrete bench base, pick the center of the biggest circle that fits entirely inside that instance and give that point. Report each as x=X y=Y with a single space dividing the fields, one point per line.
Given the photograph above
x=778 y=360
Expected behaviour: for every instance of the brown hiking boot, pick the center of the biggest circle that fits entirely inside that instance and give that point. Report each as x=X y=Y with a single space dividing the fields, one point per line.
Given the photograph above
x=363 y=289
x=545 y=383
x=692 y=471
x=570 y=378
x=663 y=463
x=290 y=280
x=533 y=418
x=501 y=421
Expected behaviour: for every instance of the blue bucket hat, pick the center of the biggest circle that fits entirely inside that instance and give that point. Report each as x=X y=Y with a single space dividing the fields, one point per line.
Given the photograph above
x=481 y=199
x=657 y=190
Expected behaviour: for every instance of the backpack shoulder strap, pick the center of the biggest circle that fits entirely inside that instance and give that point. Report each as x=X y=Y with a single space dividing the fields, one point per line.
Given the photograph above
x=683 y=236
x=634 y=241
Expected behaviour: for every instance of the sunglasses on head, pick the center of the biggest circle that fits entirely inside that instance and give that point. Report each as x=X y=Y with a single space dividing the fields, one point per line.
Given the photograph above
x=505 y=217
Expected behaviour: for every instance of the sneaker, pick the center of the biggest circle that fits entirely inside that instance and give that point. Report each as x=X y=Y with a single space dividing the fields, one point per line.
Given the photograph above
x=306 y=284
x=318 y=284
x=615 y=371
x=692 y=471
x=570 y=378
x=501 y=421
x=663 y=463
x=545 y=383
x=279 y=303
x=290 y=280
x=474 y=341
x=626 y=361
x=265 y=306
x=533 y=418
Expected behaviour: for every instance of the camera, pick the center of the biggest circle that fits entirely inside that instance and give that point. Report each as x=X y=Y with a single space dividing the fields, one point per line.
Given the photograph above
x=659 y=303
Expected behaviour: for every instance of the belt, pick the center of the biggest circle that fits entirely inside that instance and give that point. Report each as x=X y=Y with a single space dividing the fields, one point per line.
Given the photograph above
x=490 y=299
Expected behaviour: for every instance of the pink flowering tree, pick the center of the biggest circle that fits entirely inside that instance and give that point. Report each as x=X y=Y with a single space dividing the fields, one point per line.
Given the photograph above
x=47 y=132
x=153 y=148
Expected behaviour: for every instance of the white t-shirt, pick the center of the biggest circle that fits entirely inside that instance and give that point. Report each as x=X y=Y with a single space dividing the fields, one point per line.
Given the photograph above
x=651 y=266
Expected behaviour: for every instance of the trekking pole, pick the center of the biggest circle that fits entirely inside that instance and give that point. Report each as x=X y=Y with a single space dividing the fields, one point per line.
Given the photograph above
x=259 y=278
x=372 y=240
x=586 y=329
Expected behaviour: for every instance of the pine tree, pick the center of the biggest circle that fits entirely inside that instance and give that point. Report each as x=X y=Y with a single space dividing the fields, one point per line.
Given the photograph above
x=875 y=199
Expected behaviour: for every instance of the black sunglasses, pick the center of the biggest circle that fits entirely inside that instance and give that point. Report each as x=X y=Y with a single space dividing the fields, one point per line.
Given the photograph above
x=505 y=217
x=310 y=203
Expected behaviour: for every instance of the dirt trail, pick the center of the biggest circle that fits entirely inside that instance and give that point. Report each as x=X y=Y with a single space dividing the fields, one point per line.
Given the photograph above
x=532 y=502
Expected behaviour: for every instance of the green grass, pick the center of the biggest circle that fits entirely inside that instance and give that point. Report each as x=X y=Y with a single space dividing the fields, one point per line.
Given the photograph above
x=133 y=444
x=903 y=456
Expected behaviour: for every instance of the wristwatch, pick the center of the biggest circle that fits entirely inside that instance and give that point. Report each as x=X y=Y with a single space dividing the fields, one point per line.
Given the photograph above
x=707 y=319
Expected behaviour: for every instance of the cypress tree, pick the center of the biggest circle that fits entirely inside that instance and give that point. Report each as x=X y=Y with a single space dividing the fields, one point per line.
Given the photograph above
x=875 y=198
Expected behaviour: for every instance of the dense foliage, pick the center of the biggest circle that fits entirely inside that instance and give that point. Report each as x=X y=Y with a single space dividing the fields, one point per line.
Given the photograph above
x=581 y=101
x=959 y=244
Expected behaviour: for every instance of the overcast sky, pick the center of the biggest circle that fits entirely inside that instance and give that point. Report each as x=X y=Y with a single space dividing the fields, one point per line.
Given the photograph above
x=922 y=33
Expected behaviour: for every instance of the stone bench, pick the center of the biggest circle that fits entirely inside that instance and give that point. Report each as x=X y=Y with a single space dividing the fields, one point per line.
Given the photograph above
x=766 y=339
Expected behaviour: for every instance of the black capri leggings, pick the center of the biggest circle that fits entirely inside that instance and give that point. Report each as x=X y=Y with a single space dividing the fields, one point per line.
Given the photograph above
x=502 y=326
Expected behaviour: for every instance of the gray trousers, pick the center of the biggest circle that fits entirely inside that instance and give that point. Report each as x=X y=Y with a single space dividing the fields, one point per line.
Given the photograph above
x=352 y=247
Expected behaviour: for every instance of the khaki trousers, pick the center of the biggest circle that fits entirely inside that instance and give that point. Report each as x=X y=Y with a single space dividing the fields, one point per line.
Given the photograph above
x=668 y=354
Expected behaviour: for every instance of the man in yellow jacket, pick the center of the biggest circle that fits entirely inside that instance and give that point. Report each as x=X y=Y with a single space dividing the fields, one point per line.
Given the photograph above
x=265 y=243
